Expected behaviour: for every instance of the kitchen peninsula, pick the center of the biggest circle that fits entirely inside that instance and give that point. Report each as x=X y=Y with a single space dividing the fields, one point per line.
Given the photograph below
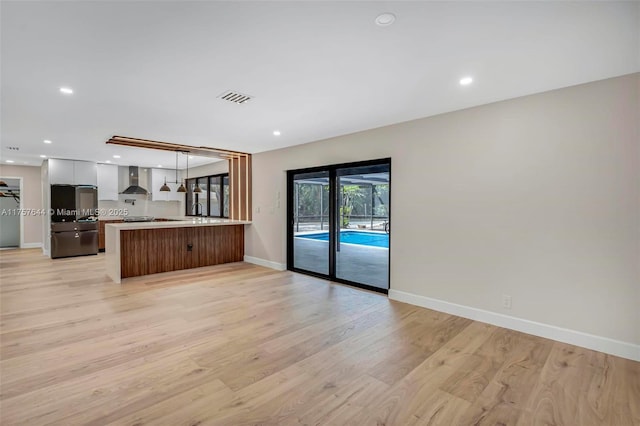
x=142 y=248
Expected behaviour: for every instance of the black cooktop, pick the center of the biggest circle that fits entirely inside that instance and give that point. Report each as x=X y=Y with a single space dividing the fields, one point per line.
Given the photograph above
x=138 y=219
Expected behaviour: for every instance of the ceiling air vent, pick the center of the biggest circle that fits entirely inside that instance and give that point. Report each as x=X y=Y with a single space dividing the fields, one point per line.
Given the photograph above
x=235 y=97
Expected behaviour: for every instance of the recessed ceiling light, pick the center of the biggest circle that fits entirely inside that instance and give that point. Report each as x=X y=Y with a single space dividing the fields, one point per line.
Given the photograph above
x=159 y=165
x=66 y=90
x=116 y=156
x=46 y=141
x=108 y=161
x=465 y=81
x=276 y=133
x=43 y=156
x=10 y=161
x=385 y=19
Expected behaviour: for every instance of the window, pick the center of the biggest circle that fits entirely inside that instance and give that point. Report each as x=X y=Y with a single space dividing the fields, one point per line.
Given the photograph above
x=213 y=198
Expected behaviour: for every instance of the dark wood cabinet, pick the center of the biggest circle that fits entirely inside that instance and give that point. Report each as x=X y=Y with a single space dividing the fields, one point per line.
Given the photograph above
x=149 y=251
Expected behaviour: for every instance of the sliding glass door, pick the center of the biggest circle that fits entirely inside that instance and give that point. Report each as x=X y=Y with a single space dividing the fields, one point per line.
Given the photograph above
x=339 y=222
x=311 y=222
x=362 y=237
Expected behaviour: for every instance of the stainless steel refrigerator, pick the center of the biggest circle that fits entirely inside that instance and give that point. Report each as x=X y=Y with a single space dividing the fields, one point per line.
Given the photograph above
x=74 y=220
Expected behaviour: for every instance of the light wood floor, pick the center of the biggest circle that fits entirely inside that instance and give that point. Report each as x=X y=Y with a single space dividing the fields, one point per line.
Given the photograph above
x=239 y=344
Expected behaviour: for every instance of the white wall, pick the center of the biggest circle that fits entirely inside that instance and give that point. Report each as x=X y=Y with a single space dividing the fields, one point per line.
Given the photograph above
x=214 y=168
x=31 y=199
x=536 y=197
x=142 y=207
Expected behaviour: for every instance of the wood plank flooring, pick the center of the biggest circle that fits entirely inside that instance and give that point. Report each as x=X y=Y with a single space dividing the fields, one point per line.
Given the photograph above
x=238 y=344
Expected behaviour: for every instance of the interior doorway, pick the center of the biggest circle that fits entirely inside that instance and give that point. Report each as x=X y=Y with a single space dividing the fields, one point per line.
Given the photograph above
x=10 y=213
x=339 y=222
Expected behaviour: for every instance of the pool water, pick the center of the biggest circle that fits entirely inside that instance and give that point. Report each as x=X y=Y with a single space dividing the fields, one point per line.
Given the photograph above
x=374 y=239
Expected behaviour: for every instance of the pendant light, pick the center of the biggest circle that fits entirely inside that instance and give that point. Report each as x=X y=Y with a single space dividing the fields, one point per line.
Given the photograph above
x=182 y=187
x=197 y=188
x=165 y=187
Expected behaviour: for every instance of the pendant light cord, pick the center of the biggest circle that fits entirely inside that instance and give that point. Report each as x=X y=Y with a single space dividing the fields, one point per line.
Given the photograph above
x=176 y=167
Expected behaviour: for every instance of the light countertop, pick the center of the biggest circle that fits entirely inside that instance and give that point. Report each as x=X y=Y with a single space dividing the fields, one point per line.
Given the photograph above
x=176 y=222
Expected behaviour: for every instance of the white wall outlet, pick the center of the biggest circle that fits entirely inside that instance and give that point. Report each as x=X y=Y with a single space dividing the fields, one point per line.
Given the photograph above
x=506 y=301
x=258 y=209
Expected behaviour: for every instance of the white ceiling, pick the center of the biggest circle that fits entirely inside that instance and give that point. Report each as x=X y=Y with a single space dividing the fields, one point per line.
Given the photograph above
x=316 y=69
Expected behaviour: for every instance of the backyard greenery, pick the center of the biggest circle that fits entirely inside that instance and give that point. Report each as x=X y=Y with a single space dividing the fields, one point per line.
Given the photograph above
x=357 y=201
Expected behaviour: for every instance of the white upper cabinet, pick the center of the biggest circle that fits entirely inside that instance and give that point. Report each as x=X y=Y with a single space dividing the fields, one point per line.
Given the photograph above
x=85 y=173
x=107 y=182
x=72 y=172
x=158 y=177
x=60 y=172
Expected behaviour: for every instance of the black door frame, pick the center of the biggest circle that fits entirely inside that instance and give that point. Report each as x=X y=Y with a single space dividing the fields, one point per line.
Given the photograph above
x=333 y=223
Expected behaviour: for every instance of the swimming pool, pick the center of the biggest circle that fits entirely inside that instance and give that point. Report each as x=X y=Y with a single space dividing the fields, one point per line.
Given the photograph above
x=374 y=239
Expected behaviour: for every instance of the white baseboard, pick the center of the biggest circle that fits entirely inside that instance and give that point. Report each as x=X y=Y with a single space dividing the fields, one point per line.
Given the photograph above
x=31 y=245
x=266 y=263
x=572 y=337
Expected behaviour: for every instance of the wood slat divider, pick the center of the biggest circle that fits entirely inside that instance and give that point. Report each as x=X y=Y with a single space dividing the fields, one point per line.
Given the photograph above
x=239 y=169
x=240 y=181
x=204 y=151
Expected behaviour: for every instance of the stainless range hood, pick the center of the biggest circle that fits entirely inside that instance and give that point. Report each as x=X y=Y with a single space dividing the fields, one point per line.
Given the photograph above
x=133 y=187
